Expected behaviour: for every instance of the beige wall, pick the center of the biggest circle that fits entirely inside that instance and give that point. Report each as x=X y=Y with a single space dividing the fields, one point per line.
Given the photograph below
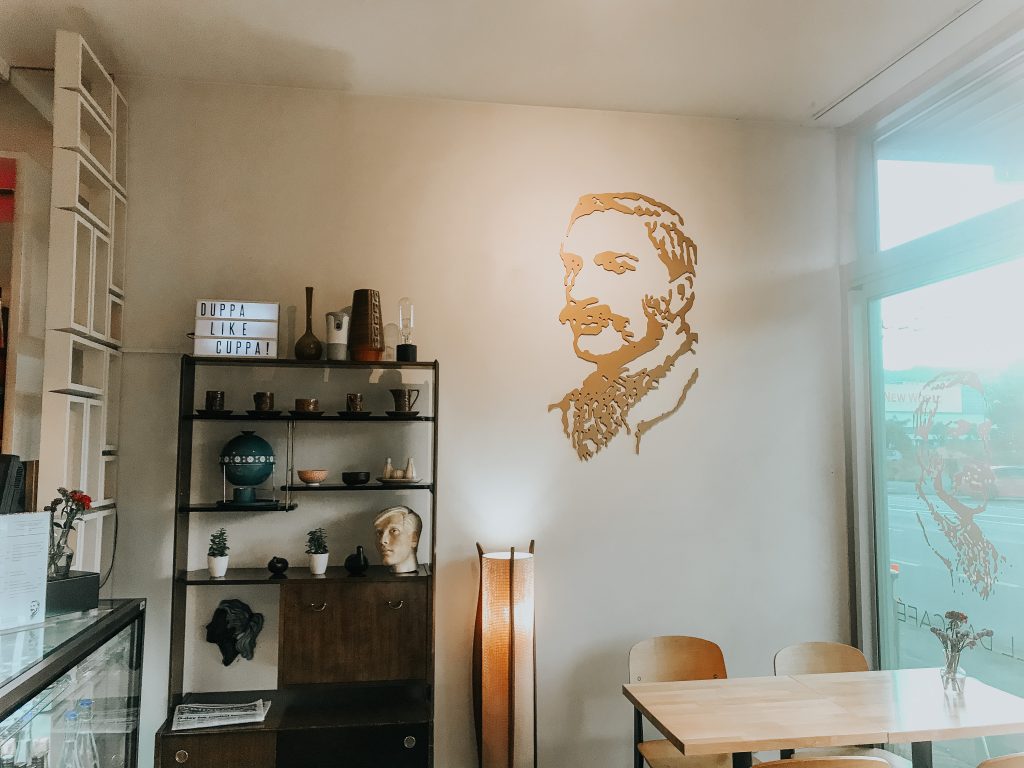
x=731 y=522
x=22 y=128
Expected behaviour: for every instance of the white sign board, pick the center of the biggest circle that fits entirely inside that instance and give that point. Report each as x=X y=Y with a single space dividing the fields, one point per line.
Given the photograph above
x=24 y=541
x=232 y=328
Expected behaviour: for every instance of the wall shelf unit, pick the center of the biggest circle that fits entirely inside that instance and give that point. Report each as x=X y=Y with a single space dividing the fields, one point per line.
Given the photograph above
x=355 y=653
x=86 y=291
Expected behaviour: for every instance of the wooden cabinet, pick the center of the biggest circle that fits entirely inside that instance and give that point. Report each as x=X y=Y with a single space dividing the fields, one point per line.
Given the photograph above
x=353 y=631
x=355 y=672
x=230 y=749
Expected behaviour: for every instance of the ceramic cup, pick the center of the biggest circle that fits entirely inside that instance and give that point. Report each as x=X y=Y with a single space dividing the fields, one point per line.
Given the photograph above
x=405 y=399
x=215 y=399
x=263 y=401
x=354 y=402
x=307 y=404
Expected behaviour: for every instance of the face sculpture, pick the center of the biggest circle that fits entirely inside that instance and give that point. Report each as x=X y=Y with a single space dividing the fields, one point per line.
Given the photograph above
x=629 y=271
x=398 y=535
x=234 y=628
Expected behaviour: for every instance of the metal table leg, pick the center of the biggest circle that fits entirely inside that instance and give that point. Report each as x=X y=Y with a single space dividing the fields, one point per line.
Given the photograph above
x=921 y=754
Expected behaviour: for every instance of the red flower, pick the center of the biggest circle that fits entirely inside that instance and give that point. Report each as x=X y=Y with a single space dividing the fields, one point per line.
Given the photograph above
x=82 y=498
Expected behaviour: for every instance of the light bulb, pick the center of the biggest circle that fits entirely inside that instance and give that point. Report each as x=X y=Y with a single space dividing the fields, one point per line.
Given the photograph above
x=405 y=319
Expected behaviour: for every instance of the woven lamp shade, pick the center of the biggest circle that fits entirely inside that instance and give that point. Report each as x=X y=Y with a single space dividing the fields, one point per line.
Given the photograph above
x=507 y=680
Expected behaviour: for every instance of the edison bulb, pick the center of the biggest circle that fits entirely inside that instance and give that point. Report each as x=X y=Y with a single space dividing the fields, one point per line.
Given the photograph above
x=405 y=319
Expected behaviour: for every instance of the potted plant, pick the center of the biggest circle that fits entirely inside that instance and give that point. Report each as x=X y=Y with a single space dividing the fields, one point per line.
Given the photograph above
x=217 y=555
x=70 y=505
x=316 y=548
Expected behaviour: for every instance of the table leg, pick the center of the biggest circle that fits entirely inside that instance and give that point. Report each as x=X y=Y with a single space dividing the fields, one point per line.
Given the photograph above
x=638 y=736
x=744 y=760
x=921 y=754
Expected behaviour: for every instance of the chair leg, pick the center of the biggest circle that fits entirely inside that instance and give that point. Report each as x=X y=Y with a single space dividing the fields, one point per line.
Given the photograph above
x=786 y=754
x=638 y=736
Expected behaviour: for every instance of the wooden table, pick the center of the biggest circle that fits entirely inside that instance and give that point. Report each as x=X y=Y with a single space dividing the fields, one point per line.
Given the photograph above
x=744 y=715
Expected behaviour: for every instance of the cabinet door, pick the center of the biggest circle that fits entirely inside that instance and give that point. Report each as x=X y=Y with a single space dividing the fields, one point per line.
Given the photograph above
x=387 y=746
x=242 y=749
x=340 y=632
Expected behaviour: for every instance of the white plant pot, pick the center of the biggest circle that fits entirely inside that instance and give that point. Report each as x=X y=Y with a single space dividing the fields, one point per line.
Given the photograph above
x=318 y=564
x=217 y=566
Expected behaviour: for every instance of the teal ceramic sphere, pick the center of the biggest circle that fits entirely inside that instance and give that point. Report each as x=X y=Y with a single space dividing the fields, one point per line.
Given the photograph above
x=247 y=459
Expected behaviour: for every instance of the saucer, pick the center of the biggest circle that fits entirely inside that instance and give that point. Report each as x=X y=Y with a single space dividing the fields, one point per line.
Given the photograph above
x=306 y=414
x=213 y=414
x=354 y=415
x=263 y=414
x=402 y=414
x=400 y=480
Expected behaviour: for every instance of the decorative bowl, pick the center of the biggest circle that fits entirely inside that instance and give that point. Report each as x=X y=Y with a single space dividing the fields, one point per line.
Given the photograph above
x=355 y=478
x=312 y=476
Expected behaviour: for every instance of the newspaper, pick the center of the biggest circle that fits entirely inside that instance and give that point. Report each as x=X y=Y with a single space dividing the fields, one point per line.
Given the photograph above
x=213 y=715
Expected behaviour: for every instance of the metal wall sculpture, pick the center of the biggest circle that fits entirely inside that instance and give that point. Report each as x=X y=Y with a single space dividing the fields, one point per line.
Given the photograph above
x=625 y=244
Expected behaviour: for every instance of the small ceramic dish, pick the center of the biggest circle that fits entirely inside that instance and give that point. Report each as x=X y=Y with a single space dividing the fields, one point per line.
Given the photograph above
x=355 y=415
x=312 y=476
x=355 y=478
x=264 y=414
x=213 y=414
x=306 y=414
x=402 y=414
x=400 y=480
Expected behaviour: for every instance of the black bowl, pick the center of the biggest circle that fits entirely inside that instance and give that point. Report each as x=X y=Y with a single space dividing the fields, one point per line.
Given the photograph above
x=355 y=478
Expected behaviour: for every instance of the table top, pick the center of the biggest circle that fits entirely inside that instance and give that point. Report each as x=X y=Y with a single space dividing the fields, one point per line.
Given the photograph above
x=702 y=717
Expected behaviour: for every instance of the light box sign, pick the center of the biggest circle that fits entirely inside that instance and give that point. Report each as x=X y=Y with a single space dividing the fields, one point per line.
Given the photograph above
x=231 y=328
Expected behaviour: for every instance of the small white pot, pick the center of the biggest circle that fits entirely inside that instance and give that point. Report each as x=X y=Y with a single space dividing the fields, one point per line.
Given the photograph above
x=217 y=566
x=318 y=564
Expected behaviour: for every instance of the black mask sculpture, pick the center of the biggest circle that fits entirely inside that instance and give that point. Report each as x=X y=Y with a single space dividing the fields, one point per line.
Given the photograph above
x=234 y=628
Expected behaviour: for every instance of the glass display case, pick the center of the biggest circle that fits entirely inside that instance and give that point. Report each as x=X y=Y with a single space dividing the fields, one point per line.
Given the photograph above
x=69 y=689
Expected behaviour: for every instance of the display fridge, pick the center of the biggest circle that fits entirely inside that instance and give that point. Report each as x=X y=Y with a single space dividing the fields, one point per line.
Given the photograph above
x=69 y=696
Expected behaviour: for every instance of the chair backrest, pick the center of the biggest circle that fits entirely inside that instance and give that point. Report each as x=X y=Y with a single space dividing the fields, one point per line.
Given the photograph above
x=675 y=657
x=837 y=761
x=1015 y=760
x=815 y=658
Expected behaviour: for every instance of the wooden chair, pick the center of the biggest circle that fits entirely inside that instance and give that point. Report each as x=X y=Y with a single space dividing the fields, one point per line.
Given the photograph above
x=816 y=658
x=1015 y=760
x=665 y=659
x=837 y=761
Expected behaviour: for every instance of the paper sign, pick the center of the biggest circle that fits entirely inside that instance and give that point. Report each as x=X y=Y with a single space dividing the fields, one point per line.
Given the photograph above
x=24 y=541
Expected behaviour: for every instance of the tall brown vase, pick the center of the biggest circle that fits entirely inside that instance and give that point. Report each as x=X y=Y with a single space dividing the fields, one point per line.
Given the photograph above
x=366 y=334
x=308 y=347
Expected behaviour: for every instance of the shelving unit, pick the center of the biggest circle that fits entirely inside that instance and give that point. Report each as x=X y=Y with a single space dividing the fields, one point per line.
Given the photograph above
x=355 y=654
x=86 y=291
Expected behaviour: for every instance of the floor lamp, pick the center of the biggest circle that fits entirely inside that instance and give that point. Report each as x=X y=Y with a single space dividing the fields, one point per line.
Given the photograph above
x=504 y=661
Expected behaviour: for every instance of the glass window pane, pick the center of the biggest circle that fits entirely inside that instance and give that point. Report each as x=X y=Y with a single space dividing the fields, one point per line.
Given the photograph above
x=950 y=513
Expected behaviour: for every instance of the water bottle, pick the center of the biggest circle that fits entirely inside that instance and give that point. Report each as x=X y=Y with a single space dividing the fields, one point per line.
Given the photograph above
x=88 y=754
x=69 y=750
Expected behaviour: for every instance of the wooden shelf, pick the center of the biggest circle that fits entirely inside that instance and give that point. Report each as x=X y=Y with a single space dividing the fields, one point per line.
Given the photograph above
x=327 y=706
x=263 y=362
x=304 y=419
x=330 y=487
x=298 y=572
x=280 y=507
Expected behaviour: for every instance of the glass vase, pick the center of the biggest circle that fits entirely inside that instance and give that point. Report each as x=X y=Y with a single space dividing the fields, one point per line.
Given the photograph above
x=953 y=675
x=60 y=566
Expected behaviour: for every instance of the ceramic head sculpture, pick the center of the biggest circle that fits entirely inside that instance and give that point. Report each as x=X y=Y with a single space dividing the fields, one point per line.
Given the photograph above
x=398 y=535
x=234 y=628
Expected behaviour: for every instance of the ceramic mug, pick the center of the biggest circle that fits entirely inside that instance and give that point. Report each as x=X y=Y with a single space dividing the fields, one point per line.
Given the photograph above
x=263 y=401
x=215 y=399
x=354 y=402
x=405 y=399
x=307 y=404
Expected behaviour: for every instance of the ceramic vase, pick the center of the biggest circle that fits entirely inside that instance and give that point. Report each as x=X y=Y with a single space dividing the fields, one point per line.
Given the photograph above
x=217 y=566
x=356 y=563
x=308 y=347
x=318 y=564
x=366 y=332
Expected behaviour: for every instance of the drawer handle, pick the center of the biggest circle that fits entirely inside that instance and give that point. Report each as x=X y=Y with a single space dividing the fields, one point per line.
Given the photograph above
x=409 y=742
x=319 y=609
x=181 y=756
x=395 y=606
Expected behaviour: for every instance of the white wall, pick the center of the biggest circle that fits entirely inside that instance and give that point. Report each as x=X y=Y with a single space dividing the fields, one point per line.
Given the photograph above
x=730 y=524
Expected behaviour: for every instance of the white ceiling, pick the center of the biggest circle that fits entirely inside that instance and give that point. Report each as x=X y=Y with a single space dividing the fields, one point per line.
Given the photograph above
x=761 y=59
